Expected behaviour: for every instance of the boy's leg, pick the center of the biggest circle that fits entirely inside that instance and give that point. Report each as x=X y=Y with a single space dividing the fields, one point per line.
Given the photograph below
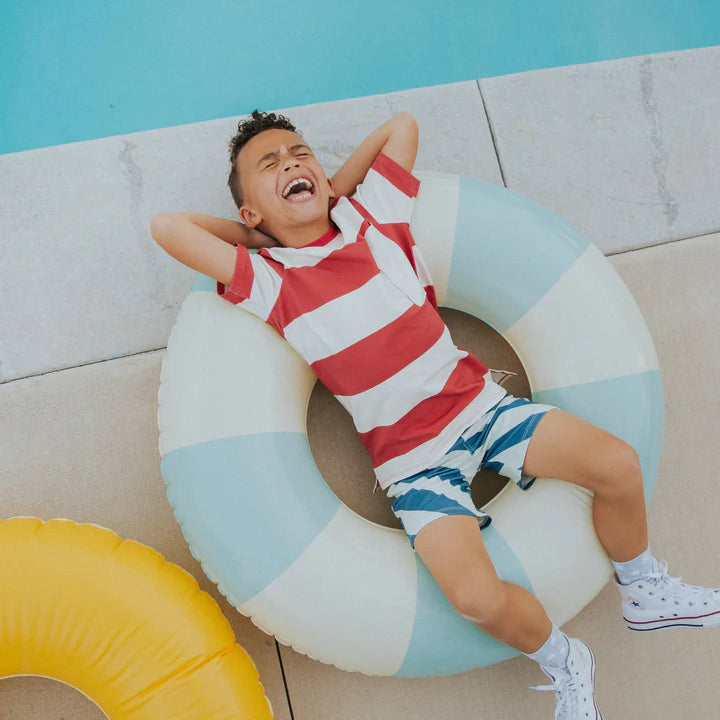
x=453 y=550
x=565 y=447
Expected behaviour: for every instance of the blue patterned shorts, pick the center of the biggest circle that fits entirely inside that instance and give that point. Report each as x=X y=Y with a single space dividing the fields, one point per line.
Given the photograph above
x=496 y=441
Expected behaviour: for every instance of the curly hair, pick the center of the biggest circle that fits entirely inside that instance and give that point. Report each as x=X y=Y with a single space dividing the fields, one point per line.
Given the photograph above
x=248 y=129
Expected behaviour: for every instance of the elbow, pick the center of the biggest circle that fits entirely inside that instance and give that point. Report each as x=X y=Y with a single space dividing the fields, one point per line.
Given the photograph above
x=157 y=228
x=406 y=117
x=160 y=227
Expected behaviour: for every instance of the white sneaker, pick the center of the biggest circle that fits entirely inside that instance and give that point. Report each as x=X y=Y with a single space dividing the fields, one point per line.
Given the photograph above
x=657 y=602
x=575 y=686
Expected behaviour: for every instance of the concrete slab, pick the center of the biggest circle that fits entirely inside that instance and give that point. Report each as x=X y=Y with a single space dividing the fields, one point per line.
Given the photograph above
x=76 y=230
x=38 y=697
x=83 y=444
x=676 y=289
x=625 y=150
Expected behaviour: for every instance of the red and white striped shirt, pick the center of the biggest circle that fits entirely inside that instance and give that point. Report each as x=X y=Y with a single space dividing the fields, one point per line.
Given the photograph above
x=358 y=304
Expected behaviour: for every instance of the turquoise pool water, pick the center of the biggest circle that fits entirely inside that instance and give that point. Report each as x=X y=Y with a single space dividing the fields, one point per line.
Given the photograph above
x=83 y=69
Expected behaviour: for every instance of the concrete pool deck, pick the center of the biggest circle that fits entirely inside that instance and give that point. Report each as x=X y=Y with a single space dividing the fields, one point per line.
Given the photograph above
x=625 y=150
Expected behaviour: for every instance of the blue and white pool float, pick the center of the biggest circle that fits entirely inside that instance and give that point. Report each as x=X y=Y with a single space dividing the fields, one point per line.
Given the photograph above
x=281 y=546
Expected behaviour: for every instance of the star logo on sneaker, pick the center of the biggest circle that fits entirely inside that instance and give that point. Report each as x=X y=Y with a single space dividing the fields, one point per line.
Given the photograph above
x=635 y=603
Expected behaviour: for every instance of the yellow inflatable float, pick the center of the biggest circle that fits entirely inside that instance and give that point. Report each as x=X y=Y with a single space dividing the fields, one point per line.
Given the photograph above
x=115 y=620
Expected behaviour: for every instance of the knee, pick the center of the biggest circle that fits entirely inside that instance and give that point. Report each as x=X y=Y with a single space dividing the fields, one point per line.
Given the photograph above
x=623 y=472
x=481 y=601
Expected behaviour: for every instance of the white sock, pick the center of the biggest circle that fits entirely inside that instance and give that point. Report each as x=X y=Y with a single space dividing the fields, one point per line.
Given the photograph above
x=555 y=651
x=632 y=570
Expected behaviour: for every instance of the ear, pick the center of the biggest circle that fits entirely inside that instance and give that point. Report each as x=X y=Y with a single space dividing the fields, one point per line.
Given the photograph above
x=333 y=192
x=249 y=216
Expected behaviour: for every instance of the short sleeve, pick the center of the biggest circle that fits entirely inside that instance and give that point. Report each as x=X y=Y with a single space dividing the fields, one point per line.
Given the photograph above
x=242 y=279
x=388 y=191
x=255 y=285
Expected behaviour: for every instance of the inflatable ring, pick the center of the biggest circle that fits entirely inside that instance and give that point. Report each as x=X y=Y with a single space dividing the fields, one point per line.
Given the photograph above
x=114 y=620
x=280 y=544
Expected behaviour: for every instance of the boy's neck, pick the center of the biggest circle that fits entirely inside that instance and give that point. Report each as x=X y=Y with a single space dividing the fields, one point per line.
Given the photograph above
x=304 y=234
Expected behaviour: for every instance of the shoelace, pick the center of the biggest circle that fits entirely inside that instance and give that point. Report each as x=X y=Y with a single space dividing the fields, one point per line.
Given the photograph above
x=565 y=693
x=676 y=588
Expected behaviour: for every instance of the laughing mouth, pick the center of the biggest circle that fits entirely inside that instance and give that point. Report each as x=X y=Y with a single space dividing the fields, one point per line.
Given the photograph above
x=298 y=189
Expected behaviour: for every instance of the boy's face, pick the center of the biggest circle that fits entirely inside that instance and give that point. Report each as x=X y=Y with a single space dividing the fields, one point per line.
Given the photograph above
x=268 y=164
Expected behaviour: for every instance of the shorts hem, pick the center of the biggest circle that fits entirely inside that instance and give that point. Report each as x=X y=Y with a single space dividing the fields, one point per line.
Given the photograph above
x=484 y=521
x=528 y=432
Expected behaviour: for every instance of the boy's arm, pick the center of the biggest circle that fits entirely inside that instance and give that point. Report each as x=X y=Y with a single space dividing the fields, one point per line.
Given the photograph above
x=204 y=242
x=397 y=138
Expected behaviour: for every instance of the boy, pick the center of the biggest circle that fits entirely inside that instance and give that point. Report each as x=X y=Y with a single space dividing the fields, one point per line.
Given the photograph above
x=338 y=275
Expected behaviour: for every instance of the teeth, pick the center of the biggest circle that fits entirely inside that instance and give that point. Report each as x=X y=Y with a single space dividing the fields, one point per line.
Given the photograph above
x=297 y=181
